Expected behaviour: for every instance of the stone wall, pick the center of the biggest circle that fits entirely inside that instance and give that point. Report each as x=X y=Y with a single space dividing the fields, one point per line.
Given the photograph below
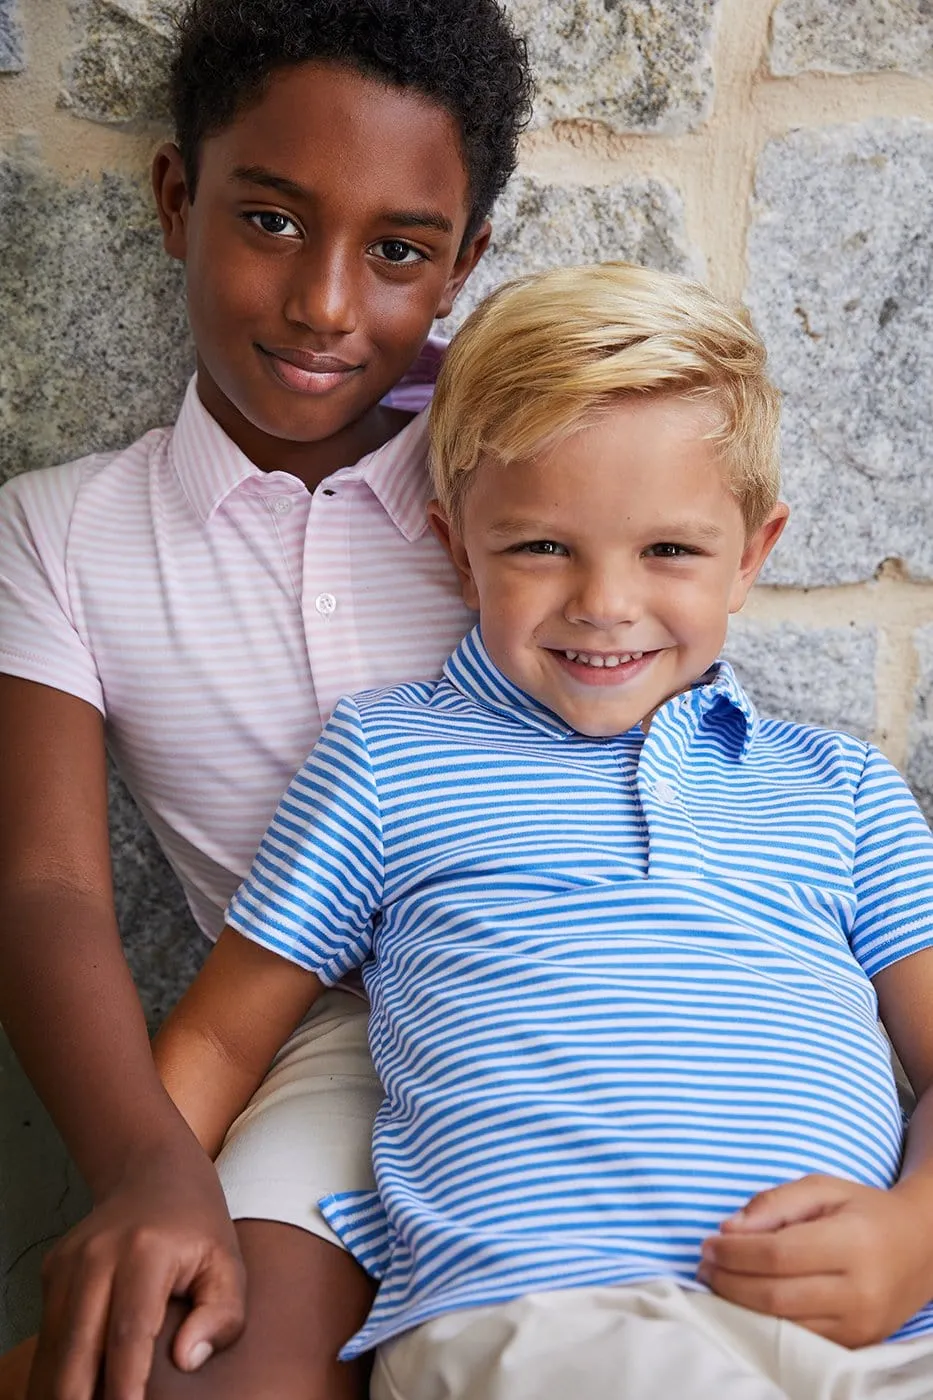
x=782 y=149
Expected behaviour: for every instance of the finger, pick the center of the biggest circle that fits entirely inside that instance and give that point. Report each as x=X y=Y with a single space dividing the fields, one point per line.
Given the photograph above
x=79 y=1329
x=142 y=1287
x=816 y=1296
x=218 y=1312
x=813 y=1247
x=793 y=1202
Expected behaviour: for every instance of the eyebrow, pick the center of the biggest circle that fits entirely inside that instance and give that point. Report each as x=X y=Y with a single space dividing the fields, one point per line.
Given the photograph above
x=399 y=218
x=519 y=526
x=694 y=529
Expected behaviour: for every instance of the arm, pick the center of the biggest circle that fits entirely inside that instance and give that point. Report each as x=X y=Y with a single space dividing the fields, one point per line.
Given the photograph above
x=218 y=1043
x=62 y=966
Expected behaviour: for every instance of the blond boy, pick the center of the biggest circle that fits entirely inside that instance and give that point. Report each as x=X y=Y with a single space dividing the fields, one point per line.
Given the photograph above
x=625 y=941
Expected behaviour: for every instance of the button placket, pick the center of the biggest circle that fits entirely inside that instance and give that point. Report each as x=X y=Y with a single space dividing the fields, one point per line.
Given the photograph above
x=675 y=850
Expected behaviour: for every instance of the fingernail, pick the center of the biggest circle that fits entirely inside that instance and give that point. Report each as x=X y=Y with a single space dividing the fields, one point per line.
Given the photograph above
x=198 y=1354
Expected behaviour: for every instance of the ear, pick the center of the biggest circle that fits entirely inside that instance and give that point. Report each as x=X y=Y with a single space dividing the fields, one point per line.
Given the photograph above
x=450 y=537
x=171 y=196
x=757 y=548
x=466 y=261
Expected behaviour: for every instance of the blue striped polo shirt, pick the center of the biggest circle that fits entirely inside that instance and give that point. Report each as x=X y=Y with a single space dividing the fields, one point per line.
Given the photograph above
x=618 y=985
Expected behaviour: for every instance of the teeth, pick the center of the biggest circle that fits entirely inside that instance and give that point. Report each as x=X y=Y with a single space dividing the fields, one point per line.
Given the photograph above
x=587 y=658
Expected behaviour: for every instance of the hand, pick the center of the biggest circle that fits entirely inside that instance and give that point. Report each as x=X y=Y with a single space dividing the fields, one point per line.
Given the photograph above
x=850 y=1262
x=162 y=1232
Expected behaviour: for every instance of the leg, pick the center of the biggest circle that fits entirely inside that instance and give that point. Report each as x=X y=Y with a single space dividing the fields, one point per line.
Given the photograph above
x=306 y=1132
x=306 y=1297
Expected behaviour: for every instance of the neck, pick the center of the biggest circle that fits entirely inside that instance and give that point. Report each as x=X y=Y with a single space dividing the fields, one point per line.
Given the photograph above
x=310 y=462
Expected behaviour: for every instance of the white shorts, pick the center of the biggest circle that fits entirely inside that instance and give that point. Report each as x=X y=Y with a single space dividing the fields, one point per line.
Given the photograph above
x=307 y=1130
x=654 y=1341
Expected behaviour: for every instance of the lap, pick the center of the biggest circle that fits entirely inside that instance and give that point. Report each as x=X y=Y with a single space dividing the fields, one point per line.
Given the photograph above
x=305 y=1298
x=308 y=1129
x=648 y=1342
x=306 y=1132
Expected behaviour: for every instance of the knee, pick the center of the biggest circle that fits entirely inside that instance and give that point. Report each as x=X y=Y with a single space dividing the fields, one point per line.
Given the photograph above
x=261 y=1365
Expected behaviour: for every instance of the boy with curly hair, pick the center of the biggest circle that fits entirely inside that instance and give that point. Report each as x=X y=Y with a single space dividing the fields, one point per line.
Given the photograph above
x=196 y=603
x=625 y=940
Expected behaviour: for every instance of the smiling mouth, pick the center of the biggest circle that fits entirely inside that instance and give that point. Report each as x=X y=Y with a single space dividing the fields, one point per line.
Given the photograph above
x=306 y=372
x=603 y=667
x=600 y=658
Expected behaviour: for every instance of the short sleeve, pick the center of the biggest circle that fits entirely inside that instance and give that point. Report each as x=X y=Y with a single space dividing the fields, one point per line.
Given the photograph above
x=893 y=869
x=316 y=885
x=38 y=638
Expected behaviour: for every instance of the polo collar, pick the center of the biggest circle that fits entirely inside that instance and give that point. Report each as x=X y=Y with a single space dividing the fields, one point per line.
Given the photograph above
x=397 y=474
x=207 y=462
x=717 y=696
x=472 y=671
x=210 y=466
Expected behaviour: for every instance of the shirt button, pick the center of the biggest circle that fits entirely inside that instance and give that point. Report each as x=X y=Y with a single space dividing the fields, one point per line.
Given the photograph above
x=665 y=792
x=281 y=505
x=326 y=604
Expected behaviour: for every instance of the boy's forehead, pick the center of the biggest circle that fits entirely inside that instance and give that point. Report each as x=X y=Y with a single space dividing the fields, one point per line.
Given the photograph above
x=643 y=460
x=317 y=124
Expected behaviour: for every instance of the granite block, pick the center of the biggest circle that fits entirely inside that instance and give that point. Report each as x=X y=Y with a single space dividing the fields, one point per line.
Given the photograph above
x=163 y=945
x=819 y=675
x=645 y=65
x=537 y=225
x=860 y=36
x=840 y=283
x=117 y=71
x=95 y=336
x=12 y=55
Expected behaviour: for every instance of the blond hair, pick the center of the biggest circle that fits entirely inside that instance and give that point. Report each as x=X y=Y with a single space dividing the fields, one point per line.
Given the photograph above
x=545 y=355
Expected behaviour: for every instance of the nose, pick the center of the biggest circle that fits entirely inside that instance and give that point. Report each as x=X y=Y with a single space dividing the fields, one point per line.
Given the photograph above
x=321 y=294
x=604 y=596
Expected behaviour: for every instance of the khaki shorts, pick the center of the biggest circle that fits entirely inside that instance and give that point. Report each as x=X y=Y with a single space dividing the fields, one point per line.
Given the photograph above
x=653 y=1341
x=307 y=1130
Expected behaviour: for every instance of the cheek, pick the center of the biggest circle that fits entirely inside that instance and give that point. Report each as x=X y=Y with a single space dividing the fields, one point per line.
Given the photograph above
x=401 y=314
x=225 y=288
x=698 y=608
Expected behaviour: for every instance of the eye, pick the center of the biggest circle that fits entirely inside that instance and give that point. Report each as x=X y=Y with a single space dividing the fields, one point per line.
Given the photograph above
x=279 y=225
x=397 y=252
x=546 y=547
x=666 y=550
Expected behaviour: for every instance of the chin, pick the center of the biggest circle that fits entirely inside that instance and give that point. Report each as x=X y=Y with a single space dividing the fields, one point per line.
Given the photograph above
x=594 y=728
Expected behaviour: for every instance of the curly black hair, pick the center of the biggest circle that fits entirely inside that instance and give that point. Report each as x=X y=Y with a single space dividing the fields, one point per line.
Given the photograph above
x=461 y=54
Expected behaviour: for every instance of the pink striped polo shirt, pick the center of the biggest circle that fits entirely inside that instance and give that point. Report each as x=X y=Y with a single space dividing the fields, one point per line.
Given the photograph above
x=215 y=613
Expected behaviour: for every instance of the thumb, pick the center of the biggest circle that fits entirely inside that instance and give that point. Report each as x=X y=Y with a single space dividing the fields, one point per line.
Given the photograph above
x=794 y=1202
x=217 y=1316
